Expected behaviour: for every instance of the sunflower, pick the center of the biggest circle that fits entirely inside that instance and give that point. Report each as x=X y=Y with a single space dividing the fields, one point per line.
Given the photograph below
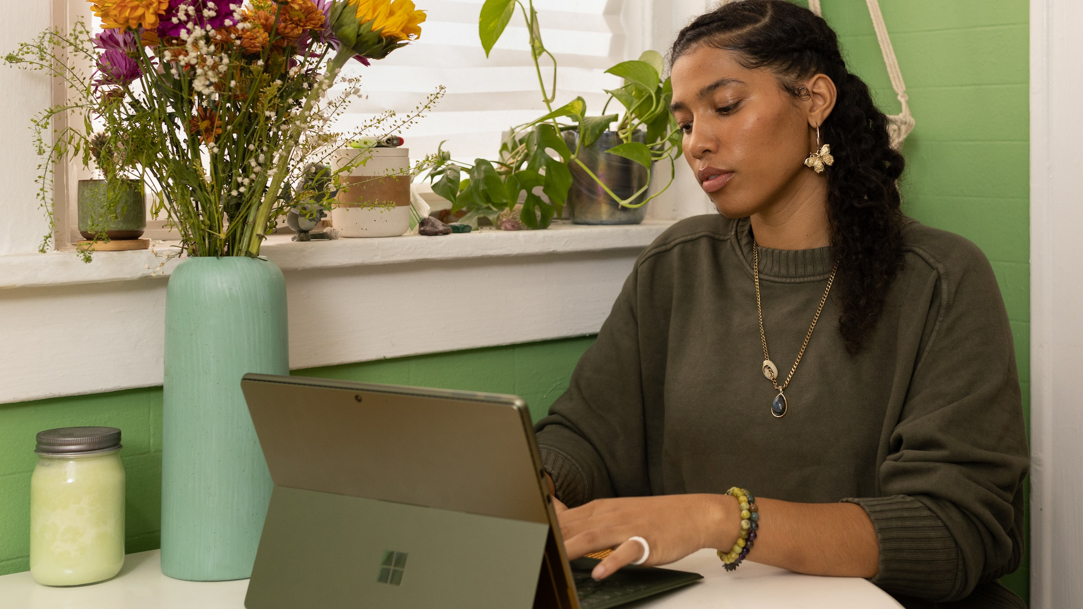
x=129 y=13
x=372 y=28
x=404 y=21
x=398 y=20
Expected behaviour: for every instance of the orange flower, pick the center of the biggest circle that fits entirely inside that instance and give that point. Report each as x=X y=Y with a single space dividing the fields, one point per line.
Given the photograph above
x=205 y=125
x=149 y=38
x=294 y=19
x=254 y=40
x=302 y=15
x=129 y=13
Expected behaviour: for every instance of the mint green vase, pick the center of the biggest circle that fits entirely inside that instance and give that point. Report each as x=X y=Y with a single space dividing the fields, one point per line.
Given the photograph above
x=224 y=317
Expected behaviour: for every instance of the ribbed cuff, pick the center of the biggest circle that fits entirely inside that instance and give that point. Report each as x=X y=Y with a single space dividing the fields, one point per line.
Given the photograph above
x=918 y=555
x=571 y=484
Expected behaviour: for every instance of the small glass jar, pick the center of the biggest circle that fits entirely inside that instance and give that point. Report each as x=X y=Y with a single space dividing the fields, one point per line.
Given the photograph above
x=77 y=506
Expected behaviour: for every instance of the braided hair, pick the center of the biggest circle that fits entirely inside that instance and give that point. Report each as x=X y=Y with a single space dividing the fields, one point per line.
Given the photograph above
x=865 y=221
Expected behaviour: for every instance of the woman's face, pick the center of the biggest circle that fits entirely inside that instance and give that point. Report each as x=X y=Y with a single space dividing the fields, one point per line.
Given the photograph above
x=745 y=137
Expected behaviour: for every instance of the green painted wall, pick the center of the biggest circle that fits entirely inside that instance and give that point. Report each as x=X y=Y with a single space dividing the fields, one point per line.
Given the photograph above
x=966 y=67
x=539 y=372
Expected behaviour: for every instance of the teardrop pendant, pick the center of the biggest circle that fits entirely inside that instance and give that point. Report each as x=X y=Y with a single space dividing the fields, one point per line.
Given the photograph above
x=779 y=406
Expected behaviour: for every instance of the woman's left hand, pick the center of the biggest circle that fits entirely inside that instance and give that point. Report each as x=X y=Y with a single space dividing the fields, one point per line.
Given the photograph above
x=673 y=525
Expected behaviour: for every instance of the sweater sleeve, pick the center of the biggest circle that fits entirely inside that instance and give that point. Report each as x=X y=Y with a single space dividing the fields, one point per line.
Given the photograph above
x=950 y=514
x=592 y=443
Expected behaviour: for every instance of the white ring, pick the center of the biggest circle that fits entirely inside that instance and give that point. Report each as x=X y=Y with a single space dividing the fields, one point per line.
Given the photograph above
x=646 y=549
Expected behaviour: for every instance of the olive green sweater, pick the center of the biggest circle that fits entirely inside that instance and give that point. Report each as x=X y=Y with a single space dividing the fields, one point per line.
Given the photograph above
x=923 y=428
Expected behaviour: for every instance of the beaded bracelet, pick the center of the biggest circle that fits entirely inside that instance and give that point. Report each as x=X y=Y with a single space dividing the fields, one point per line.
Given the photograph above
x=750 y=522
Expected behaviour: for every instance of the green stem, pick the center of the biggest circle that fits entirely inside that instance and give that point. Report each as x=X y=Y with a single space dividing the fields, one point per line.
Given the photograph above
x=282 y=167
x=622 y=202
x=536 y=43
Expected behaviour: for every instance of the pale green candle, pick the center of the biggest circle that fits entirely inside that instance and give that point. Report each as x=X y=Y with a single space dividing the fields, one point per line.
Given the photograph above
x=77 y=507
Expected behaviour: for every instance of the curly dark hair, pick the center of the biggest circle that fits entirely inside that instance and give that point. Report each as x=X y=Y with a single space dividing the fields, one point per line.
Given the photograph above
x=863 y=196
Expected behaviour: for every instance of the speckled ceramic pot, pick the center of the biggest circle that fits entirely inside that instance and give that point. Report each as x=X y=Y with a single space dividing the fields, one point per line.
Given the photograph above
x=114 y=207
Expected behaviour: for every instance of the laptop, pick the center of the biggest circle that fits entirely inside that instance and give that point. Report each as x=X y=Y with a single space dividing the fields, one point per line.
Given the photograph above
x=406 y=498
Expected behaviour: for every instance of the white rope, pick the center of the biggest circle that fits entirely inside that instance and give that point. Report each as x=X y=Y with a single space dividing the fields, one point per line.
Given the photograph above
x=899 y=125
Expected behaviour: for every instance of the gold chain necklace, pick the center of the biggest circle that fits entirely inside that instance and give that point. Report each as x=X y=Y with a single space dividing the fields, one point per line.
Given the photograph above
x=780 y=405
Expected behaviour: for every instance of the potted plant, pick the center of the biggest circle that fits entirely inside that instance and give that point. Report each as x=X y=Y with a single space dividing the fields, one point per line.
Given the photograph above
x=566 y=155
x=111 y=209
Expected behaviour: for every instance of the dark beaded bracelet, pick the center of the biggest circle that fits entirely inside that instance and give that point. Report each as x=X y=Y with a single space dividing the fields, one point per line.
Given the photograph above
x=750 y=524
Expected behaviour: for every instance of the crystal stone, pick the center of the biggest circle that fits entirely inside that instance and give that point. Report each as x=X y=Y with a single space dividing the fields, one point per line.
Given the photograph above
x=779 y=406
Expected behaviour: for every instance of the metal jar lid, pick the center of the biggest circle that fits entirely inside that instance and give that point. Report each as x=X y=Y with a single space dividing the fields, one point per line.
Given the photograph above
x=77 y=440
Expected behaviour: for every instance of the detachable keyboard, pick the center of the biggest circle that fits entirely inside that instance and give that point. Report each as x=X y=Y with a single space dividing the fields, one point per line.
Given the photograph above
x=627 y=585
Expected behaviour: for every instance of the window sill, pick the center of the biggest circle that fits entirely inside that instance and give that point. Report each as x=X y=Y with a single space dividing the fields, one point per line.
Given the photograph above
x=349 y=300
x=66 y=268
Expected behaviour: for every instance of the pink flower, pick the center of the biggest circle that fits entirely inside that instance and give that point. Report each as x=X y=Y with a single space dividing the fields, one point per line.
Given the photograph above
x=117 y=64
x=117 y=68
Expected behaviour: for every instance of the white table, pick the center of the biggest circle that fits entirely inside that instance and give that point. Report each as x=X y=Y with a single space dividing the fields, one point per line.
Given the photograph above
x=141 y=585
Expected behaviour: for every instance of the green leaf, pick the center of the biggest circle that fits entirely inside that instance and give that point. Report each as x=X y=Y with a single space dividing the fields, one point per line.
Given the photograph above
x=676 y=138
x=536 y=46
x=528 y=179
x=495 y=15
x=536 y=212
x=592 y=127
x=558 y=180
x=512 y=186
x=549 y=138
x=625 y=96
x=448 y=185
x=519 y=181
x=486 y=182
x=654 y=59
x=639 y=72
x=542 y=138
x=575 y=109
x=466 y=199
x=633 y=151
x=658 y=128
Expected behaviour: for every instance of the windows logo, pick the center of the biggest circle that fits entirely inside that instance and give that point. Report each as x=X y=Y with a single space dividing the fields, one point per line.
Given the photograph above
x=391 y=568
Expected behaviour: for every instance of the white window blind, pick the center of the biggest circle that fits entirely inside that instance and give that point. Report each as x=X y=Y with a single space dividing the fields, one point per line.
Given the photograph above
x=485 y=96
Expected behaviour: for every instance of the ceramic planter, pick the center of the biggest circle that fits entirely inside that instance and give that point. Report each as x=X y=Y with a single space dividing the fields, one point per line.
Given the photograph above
x=375 y=198
x=114 y=207
x=588 y=202
x=224 y=317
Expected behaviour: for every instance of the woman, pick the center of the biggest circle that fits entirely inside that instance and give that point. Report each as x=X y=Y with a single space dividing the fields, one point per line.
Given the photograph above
x=887 y=442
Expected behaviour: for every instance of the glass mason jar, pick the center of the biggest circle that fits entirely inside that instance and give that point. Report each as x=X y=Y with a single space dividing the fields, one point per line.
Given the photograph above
x=77 y=506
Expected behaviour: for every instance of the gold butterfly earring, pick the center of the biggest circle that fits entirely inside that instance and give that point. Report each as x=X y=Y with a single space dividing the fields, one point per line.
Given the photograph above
x=820 y=157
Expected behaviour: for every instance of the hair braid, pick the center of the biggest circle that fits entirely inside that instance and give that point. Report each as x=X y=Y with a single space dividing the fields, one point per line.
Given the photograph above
x=863 y=203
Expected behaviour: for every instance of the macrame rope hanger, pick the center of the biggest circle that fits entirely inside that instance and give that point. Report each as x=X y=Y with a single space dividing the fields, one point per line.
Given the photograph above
x=899 y=125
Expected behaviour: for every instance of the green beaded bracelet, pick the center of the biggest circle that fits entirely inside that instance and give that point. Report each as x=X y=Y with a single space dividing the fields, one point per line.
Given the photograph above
x=750 y=523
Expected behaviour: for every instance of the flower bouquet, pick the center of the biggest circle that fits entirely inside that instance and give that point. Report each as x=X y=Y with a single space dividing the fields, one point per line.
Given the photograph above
x=220 y=104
